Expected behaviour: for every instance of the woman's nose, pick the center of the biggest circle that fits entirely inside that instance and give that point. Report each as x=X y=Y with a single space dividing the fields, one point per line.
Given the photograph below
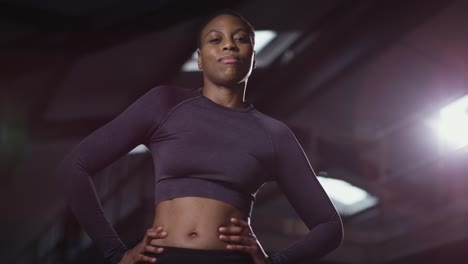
x=229 y=45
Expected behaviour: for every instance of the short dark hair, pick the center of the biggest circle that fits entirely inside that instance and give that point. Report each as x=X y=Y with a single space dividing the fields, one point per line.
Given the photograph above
x=225 y=12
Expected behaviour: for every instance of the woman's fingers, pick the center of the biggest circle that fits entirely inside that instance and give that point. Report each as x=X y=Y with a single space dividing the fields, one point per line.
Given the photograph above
x=146 y=258
x=244 y=240
x=239 y=233
x=240 y=226
x=240 y=237
x=240 y=222
x=154 y=233
x=146 y=247
x=248 y=249
x=153 y=249
x=137 y=253
x=231 y=230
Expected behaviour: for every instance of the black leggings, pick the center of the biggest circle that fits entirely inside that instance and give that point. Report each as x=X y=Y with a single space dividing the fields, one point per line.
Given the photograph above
x=174 y=255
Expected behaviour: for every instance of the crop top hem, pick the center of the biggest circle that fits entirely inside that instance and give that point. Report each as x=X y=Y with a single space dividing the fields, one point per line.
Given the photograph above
x=184 y=187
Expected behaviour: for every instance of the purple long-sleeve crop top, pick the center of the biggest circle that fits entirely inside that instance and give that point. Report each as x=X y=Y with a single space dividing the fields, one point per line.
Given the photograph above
x=203 y=149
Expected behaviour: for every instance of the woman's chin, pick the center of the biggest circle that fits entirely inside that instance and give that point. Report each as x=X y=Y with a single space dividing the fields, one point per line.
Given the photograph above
x=232 y=83
x=233 y=80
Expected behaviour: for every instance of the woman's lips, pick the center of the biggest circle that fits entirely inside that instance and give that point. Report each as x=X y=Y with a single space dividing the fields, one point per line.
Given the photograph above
x=229 y=59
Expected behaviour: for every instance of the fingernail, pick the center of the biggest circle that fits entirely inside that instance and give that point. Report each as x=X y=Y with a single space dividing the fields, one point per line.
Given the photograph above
x=164 y=233
x=222 y=236
x=233 y=219
x=222 y=229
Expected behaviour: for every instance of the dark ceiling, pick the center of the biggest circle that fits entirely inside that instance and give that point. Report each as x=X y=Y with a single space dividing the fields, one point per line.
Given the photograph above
x=357 y=86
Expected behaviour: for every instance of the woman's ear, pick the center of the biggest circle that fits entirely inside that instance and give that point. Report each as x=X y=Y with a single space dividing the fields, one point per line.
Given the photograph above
x=199 y=60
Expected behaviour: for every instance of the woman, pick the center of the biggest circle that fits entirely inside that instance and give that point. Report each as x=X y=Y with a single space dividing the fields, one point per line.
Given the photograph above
x=212 y=152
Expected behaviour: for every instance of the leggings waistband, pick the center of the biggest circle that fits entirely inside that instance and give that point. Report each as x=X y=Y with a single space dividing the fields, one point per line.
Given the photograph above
x=177 y=255
x=211 y=252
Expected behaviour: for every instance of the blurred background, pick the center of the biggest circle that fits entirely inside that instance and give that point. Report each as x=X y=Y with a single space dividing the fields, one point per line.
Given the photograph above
x=375 y=91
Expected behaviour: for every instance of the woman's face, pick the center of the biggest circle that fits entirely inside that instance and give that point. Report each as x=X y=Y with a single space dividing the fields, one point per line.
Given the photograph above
x=226 y=54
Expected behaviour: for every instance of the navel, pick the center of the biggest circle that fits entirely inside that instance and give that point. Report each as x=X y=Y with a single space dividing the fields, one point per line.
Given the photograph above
x=193 y=235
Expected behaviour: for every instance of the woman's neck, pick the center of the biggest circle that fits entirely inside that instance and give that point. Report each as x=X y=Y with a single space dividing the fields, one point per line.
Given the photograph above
x=232 y=97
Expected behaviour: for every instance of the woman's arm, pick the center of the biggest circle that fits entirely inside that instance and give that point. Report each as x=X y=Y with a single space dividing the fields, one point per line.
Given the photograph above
x=301 y=187
x=115 y=139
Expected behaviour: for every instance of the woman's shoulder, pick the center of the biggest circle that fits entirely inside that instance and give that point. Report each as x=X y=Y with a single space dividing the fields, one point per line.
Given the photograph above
x=172 y=92
x=271 y=124
x=165 y=97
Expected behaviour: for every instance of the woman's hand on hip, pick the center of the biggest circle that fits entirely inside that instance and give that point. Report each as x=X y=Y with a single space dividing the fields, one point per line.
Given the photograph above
x=137 y=253
x=240 y=237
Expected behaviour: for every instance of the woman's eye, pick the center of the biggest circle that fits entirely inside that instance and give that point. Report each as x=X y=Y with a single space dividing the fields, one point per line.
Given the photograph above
x=214 y=40
x=241 y=39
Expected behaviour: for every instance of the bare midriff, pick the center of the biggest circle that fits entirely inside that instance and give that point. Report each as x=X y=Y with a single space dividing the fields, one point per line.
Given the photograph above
x=194 y=222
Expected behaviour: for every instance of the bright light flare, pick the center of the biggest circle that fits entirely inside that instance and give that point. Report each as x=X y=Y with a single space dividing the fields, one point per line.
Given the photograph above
x=452 y=125
x=347 y=198
x=342 y=191
x=139 y=150
x=263 y=38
